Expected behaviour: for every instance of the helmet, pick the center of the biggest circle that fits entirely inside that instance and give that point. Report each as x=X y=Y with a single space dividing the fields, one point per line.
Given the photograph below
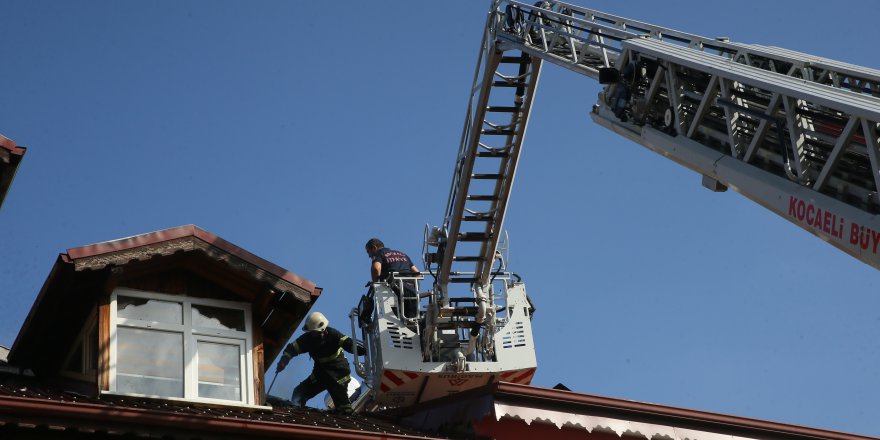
x=316 y=321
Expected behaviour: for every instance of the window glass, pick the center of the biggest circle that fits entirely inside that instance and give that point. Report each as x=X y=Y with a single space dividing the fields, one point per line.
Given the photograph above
x=176 y=346
x=219 y=371
x=217 y=317
x=144 y=309
x=149 y=362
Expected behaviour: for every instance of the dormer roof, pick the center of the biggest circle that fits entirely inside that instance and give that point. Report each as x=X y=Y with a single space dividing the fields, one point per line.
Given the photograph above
x=83 y=275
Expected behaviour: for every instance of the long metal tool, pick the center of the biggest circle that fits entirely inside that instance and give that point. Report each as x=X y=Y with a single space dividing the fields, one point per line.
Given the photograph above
x=273 y=383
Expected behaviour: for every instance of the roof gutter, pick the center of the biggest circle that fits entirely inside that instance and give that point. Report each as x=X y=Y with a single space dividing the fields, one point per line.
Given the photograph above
x=87 y=416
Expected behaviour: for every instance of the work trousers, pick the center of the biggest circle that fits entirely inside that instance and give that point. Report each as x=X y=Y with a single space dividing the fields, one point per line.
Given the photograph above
x=410 y=298
x=321 y=380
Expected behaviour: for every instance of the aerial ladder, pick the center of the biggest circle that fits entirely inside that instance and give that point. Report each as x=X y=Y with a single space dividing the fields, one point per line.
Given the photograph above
x=796 y=133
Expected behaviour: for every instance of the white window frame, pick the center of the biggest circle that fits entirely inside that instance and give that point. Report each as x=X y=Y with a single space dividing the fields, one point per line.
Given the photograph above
x=193 y=384
x=191 y=337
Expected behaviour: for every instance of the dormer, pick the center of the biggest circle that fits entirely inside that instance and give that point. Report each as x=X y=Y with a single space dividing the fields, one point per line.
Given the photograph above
x=173 y=314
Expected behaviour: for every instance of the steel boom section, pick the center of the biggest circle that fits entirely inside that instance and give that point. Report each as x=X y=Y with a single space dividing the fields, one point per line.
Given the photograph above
x=480 y=144
x=793 y=118
x=780 y=134
x=819 y=167
x=592 y=34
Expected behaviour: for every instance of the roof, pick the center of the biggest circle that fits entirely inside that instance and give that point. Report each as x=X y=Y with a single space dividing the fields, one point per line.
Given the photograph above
x=10 y=156
x=503 y=407
x=26 y=405
x=99 y=255
x=280 y=298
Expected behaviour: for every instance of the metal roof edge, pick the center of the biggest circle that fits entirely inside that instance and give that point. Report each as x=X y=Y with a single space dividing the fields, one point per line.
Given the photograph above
x=626 y=409
x=10 y=146
x=266 y=265
x=591 y=412
x=191 y=230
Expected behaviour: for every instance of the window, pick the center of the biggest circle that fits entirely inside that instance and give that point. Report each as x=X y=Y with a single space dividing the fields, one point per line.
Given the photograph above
x=180 y=347
x=82 y=361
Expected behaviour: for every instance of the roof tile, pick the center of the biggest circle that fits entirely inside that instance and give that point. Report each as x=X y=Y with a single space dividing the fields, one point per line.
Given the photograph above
x=30 y=389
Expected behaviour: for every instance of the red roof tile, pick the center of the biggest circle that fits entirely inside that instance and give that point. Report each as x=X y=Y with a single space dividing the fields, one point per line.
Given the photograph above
x=10 y=146
x=26 y=403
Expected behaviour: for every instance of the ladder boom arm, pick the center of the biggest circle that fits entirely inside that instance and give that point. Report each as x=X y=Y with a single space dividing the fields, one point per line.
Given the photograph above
x=794 y=132
x=798 y=118
x=497 y=117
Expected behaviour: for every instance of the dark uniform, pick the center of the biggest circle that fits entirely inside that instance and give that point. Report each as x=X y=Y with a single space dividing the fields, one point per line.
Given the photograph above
x=331 y=371
x=392 y=261
x=396 y=261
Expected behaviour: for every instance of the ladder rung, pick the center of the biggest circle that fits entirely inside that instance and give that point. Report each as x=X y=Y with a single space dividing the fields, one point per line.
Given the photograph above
x=478 y=218
x=512 y=60
x=494 y=132
x=484 y=198
x=467 y=258
x=508 y=84
x=492 y=154
x=464 y=311
x=473 y=236
x=462 y=280
x=487 y=176
x=500 y=109
x=455 y=325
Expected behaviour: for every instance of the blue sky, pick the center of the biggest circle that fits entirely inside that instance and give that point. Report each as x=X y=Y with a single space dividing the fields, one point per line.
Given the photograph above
x=298 y=130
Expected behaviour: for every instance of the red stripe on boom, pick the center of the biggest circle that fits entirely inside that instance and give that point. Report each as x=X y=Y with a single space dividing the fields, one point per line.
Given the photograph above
x=525 y=377
x=397 y=381
x=508 y=374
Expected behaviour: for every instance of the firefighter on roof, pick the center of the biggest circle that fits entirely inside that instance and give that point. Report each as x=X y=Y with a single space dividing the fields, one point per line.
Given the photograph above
x=331 y=372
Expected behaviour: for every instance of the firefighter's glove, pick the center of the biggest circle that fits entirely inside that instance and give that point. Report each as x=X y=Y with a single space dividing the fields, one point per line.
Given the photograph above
x=282 y=364
x=359 y=348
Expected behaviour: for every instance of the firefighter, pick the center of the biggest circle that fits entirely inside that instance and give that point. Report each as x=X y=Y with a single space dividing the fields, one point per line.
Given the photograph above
x=324 y=344
x=386 y=261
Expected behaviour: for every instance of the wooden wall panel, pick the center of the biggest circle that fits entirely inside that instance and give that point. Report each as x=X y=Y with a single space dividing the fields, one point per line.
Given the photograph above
x=259 y=369
x=104 y=344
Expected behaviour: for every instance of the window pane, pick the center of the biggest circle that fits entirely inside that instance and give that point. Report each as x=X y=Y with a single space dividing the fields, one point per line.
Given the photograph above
x=149 y=309
x=219 y=371
x=149 y=362
x=217 y=317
